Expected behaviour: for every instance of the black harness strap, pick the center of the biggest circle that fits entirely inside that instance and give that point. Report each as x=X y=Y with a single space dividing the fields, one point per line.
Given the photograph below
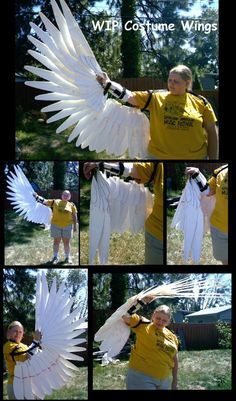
x=148 y=100
x=205 y=101
x=219 y=171
x=140 y=322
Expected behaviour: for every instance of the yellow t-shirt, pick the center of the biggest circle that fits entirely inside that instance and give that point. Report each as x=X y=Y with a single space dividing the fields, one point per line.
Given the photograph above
x=219 y=185
x=62 y=212
x=176 y=125
x=10 y=362
x=154 y=350
x=154 y=222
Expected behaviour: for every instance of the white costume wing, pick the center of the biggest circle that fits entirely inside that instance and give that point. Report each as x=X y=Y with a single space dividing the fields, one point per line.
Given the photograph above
x=114 y=333
x=115 y=206
x=70 y=78
x=21 y=197
x=189 y=219
x=49 y=368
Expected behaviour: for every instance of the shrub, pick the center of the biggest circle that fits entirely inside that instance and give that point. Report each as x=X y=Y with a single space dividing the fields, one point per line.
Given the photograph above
x=224 y=335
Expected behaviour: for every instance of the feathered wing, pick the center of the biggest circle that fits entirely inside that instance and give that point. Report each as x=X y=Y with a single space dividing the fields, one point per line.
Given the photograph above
x=114 y=334
x=189 y=219
x=115 y=206
x=70 y=78
x=61 y=330
x=20 y=194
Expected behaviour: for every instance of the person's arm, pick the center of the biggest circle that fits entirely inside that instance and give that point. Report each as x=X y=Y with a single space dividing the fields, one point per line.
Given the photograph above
x=116 y=89
x=213 y=140
x=33 y=348
x=137 y=305
x=40 y=199
x=175 y=373
x=116 y=168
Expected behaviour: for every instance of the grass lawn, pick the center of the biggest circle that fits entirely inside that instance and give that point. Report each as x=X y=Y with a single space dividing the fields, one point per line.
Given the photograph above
x=125 y=249
x=37 y=140
x=175 y=246
x=198 y=370
x=29 y=244
x=75 y=389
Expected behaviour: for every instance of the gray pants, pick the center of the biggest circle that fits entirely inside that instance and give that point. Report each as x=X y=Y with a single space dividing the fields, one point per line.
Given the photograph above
x=139 y=381
x=219 y=244
x=153 y=250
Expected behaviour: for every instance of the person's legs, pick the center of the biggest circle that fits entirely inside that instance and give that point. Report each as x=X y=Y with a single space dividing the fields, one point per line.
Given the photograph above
x=153 y=250
x=67 y=233
x=219 y=245
x=56 y=245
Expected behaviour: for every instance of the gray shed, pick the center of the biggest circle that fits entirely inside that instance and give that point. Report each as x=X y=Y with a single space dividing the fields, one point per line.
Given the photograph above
x=211 y=315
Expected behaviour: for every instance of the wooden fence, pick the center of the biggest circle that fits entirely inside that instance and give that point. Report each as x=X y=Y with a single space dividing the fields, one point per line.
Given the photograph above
x=25 y=95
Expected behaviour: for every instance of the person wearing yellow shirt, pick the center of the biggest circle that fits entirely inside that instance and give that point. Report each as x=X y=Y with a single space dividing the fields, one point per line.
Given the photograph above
x=14 y=350
x=146 y=173
x=182 y=123
x=218 y=186
x=153 y=363
x=63 y=223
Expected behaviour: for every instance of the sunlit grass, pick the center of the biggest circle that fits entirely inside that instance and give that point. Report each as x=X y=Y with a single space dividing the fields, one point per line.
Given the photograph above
x=198 y=370
x=29 y=244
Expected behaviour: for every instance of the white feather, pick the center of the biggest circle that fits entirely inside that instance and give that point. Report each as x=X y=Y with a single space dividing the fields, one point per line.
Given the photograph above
x=71 y=77
x=21 y=197
x=114 y=334
x=115 y=206
x=49 y=368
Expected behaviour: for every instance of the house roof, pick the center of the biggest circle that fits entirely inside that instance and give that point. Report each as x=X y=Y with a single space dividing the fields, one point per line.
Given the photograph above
x=210 y=311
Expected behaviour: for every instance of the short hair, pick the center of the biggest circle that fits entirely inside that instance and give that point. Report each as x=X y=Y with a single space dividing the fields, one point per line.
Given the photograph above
x=66 y=192
x=13 y=324
x=184 y=72
x=164 y=309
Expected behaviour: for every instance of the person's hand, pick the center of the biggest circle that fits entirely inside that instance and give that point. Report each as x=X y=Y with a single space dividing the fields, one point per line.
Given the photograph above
x=148 y=298
x=191 y=170
x=88 y=168
x=103 y=79
x=37 y=335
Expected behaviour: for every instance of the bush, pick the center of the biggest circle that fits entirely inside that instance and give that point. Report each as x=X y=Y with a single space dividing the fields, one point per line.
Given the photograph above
x=224 y=335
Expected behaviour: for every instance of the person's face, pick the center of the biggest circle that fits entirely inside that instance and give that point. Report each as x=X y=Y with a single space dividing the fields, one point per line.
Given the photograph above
x=160 y=320
x=65 y=196
x=176 y=85
x=16 y=333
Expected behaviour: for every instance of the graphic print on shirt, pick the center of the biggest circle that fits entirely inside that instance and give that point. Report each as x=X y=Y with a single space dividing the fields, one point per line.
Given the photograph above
x=179 y=117
x=224 y=189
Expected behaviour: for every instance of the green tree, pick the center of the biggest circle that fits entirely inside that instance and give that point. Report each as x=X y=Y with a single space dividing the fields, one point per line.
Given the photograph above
x=59 y=174
x=18 y=297
x=118 y=285
x=131 y=41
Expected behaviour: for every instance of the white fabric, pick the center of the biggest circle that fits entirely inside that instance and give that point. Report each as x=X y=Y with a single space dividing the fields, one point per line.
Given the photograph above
x=114 y=333
x=70 y=78
x=21 y=197
x=115 y=206
x=189 y=219
x=49 y=368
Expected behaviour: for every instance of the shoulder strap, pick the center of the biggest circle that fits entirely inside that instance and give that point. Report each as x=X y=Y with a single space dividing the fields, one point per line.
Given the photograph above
x=141 y=321
x=153 y=173
x=148 y=100
x=205 y=101
x=219 y=171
